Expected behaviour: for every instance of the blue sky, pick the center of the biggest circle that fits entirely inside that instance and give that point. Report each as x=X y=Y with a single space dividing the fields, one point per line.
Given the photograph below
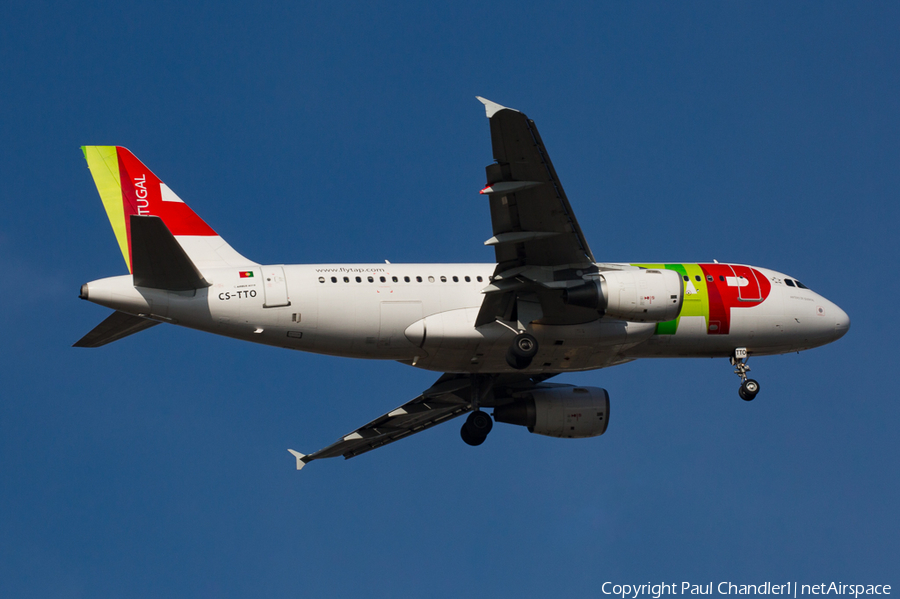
x=761 y=133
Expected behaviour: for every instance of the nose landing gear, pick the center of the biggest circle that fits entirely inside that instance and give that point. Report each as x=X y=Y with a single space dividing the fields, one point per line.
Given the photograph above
x=749 y=387
x=748 y=390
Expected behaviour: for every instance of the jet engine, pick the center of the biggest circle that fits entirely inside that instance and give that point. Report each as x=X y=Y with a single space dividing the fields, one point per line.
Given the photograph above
x=561 y=411
x=646 y=295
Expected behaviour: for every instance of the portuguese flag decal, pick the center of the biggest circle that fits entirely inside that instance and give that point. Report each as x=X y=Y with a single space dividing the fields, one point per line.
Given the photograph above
x=246 y=273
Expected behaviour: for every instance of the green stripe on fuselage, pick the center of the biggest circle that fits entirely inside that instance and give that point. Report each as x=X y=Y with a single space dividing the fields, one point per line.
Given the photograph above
x=696 y=295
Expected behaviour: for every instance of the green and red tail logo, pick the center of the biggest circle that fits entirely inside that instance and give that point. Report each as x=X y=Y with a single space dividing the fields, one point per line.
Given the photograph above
x=128 y=187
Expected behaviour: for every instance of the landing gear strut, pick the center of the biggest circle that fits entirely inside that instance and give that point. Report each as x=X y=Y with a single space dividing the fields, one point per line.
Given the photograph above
x=749 y=388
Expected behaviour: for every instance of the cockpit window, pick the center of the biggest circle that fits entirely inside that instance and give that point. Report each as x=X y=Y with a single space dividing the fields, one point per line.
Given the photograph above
x=789 y=282
x=801 y=285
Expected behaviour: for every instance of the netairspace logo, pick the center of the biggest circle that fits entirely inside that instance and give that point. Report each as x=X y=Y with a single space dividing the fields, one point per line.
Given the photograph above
x=633 y=591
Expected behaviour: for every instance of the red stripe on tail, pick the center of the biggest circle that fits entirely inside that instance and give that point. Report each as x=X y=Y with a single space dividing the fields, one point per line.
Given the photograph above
x=142 y=195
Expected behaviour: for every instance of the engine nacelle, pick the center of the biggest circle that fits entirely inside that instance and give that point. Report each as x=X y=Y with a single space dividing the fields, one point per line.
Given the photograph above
x=559 y=411
x=646 y=295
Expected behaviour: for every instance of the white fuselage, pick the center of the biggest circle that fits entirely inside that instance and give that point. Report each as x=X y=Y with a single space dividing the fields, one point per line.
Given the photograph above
x=424 y=315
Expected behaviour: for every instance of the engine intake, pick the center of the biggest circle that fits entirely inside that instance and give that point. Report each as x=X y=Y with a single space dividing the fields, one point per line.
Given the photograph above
x=561 y=411
x=634 y=295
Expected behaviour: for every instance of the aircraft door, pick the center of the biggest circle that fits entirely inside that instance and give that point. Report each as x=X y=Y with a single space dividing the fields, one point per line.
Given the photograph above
x=275 y=287
x=748 y=286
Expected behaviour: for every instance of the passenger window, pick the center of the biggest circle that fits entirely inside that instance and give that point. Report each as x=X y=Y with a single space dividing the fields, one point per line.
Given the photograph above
x=697 y=277
x=789 y=282
x=371 y=279
x=346 y=279
x=687 y=278
x=468 y=280
x=359 y=279
x=334 y=279
x=455 y=279
x=418 y=279
x=709 y=278
x=321 y=279
x=721 y=278
x=431 y=279
x=443 y=279
x=383 y=280
x=406 y=279
x=394 y=279
x=479 y=279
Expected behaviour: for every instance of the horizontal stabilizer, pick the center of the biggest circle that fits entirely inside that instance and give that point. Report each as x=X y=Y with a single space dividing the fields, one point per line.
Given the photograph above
x=158 y=260
x=116 y=326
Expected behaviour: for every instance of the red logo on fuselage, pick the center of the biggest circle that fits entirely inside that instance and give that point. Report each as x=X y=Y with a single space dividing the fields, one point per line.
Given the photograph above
x=732 y=286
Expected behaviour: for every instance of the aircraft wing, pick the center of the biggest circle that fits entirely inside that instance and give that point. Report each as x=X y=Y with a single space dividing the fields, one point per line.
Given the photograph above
x=537 y=238
x=533 y=222
x=449 y=397
x=436 y=405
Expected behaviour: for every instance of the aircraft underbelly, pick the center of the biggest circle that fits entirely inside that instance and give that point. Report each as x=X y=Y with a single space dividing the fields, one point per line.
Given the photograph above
x=453 y=344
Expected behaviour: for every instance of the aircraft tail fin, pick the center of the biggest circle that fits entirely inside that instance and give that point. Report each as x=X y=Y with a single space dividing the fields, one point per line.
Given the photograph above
x=128 y=188
x=116 y=326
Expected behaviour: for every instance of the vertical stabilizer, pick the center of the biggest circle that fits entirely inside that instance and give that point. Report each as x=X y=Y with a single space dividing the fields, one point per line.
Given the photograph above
x=127 y=187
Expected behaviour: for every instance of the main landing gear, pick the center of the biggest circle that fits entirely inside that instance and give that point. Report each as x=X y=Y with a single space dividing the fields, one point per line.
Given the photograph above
x=749 y=388
x=478 y=424
x=476 y=428
x=522 y=351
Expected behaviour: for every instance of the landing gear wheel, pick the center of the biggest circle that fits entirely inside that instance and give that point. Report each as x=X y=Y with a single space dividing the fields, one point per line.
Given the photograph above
x=476 y=428
x=748 y=390
x=522 y=351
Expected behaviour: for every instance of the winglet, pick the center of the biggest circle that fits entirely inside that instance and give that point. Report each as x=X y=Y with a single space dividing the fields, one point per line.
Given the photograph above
x=299 y=456
x=492 y=108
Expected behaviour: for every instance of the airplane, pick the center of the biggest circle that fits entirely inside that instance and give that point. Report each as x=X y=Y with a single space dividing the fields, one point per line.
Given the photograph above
x=497 y=332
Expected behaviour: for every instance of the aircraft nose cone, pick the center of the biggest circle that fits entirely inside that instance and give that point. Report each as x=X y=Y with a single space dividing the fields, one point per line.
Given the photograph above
x=841 y=323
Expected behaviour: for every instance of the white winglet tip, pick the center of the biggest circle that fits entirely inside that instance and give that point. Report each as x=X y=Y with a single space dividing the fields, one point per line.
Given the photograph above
x=299 y=456
x=492 y=108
